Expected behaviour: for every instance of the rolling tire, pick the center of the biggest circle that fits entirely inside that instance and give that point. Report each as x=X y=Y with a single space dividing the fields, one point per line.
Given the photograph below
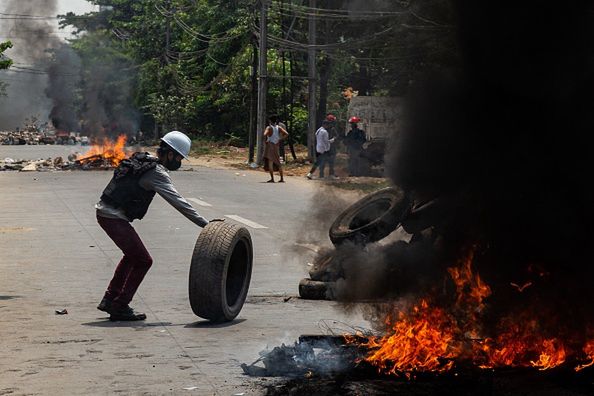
x=316 y=290
x=372 y=218
x=220 y=272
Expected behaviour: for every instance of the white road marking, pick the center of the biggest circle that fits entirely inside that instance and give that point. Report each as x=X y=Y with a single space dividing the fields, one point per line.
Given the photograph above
x=247 y=222
x=199 y=202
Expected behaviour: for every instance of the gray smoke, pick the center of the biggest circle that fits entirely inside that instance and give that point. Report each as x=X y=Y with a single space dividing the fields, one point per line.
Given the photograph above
x=32 y=38
x=64 y=79
x=107 y=90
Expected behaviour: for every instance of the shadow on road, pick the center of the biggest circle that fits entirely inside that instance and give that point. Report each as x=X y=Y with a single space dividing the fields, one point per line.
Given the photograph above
x=205 y=324
x=2 y=298
x=140 y=323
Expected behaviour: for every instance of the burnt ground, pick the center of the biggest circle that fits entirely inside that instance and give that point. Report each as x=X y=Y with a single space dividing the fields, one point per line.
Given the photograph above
x=489 y=383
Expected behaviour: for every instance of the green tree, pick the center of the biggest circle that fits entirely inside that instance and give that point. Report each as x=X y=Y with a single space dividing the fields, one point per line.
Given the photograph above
x=5 y=63
x=188 y=63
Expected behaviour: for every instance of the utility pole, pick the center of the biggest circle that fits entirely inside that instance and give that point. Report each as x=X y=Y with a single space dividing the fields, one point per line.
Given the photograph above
x=253 y=104
x=311 y=75
x=263 y=79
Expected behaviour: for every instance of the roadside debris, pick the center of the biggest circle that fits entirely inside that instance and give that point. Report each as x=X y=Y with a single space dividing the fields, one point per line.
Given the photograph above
x=62 y=312
x=32 y=137
x=319 y=354
x=38 y=165
x=96 y=162
x=39 y=135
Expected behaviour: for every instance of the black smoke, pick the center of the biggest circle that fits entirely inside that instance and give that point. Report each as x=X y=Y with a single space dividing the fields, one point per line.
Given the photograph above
x=496 y=139
x=504 y=136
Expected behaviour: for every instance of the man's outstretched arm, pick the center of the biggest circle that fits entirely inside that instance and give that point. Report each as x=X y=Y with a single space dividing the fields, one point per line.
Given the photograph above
x=160 y=182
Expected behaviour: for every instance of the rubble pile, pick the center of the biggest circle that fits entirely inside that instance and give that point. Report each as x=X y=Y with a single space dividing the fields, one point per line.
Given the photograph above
x=55 y=164
x=32 y=137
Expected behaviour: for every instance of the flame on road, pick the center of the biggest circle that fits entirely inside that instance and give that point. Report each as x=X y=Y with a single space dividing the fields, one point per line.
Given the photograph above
x=110 y=152
x=432 y=336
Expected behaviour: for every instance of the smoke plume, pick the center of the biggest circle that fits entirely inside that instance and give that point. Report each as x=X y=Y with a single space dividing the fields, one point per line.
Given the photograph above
x=498 y=142
x=64 y=78
x=31 y=37
x=87 y=90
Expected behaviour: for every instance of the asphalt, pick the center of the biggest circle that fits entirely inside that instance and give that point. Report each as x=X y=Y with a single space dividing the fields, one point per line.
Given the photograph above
x=54 y=256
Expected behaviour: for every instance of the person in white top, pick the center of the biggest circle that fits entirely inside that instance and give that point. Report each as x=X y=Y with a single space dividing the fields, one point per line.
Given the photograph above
x=323 y=145
x=273 y=134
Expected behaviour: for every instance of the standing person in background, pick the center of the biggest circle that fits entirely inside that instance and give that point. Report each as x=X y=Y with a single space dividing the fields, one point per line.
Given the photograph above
x=323 y=145
x=332 y=135
x=355 y=139
x=281 y=146
x=273 y=134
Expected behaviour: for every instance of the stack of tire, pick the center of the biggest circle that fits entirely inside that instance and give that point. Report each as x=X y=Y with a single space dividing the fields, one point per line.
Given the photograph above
x=366 y=221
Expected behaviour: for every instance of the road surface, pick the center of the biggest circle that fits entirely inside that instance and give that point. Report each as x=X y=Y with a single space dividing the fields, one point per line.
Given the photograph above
x=54 y=256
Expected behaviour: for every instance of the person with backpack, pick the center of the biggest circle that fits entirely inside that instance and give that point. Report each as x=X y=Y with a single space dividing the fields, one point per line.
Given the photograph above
x=126 y=198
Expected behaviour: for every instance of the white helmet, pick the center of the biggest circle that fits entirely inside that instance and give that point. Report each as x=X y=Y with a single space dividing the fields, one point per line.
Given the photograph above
x=178 y=141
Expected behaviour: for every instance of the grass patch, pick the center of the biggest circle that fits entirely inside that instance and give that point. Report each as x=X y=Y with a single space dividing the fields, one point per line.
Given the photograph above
x=208 y=147
x=366 y=185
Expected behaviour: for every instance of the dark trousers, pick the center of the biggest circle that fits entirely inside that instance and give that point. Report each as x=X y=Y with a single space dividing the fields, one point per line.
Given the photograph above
x=355 y=162
x=321 y=160
x=330 y=160
x=132 y=267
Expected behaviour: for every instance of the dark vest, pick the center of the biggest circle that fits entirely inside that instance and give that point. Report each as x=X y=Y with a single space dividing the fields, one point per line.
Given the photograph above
x=124 y=191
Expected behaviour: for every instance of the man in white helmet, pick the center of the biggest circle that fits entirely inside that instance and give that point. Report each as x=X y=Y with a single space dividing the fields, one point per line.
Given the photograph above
x=126 y=198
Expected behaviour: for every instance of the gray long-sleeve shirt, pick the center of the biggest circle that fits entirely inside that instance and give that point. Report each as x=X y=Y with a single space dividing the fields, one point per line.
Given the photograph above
x=159 y=181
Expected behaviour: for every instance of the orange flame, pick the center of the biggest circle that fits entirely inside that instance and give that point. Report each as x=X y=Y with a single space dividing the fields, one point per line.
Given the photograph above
x=522 y=345
x=589 y=352
x=422 y=340
x=429 y=337
x=112 y=153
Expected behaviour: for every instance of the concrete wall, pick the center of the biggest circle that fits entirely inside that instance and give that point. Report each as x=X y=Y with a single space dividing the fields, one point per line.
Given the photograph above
x=380 y=116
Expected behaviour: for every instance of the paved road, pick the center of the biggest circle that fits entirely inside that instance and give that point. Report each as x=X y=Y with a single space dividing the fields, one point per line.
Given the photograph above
x=53 y=256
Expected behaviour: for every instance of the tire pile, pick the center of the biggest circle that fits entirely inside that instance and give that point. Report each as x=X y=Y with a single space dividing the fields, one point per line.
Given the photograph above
x=366 y=221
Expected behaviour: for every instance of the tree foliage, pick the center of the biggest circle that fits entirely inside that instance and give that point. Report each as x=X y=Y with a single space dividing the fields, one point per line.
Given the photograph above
x=187 y=64
x=5 y=63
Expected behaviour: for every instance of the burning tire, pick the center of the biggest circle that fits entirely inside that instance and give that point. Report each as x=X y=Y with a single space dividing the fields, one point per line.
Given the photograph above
x=316 y=290
x=371 y=218
x=326 y=268
x=220 y=272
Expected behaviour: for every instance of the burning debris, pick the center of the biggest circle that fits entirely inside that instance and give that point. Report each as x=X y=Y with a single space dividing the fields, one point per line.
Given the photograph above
x=496 y=274
x=104 y=156
x=109 y=154
x=334 y=364
x=449 y=325
x=311 y=355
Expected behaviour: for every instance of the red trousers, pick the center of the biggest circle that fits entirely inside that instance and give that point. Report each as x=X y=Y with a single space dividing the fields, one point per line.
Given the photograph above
x=132 y=267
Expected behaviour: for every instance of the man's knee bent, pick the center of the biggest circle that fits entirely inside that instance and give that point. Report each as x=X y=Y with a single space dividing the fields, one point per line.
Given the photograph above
x=141 y=261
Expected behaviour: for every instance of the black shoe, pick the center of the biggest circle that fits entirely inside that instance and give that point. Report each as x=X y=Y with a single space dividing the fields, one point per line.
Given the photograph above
x=104 y=305
x=126 y=314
